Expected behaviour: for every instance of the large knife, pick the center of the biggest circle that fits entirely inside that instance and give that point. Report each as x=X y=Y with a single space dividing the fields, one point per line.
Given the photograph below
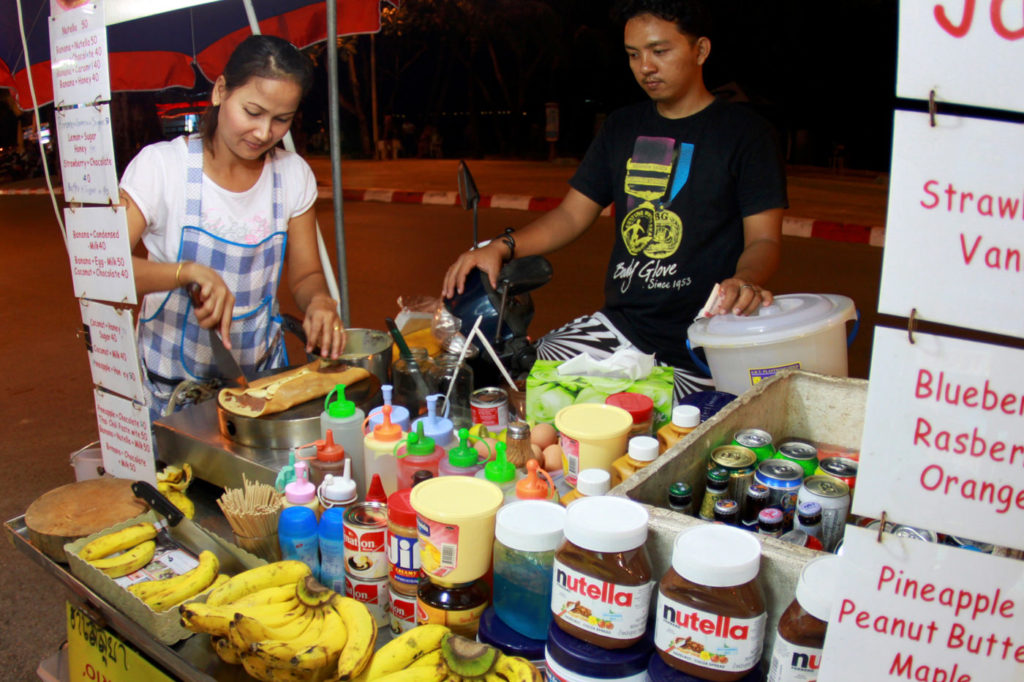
x=185 y=532
x=231 y=372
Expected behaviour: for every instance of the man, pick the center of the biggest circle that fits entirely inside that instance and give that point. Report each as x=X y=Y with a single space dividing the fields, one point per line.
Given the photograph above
x=698 y=192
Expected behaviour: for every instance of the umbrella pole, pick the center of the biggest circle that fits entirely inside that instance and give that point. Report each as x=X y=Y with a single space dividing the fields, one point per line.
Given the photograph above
x=334 y=127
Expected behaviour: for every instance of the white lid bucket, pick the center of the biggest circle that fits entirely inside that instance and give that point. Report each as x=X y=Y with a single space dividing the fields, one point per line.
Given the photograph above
x=800 y=331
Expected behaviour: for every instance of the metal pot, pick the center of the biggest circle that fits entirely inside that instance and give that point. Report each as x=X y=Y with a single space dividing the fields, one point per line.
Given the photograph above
x=369 y=349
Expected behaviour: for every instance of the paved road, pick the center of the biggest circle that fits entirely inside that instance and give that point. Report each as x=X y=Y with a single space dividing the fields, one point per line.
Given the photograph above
x=393 y=250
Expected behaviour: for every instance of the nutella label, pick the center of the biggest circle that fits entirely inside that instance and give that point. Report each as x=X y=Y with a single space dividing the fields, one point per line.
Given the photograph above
x=706 y=639
x=792 y=663
x=603 y=608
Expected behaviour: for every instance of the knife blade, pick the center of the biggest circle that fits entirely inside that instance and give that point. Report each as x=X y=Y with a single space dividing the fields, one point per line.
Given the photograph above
x=230 y=370
x=189 y=534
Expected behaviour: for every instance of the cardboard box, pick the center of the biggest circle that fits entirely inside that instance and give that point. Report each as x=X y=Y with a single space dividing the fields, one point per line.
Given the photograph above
x=823 y=409
x=165 y=626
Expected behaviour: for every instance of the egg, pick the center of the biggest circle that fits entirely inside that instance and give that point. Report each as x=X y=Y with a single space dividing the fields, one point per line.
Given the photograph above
x=552 y=458
x=543 y=435
x=485 y=446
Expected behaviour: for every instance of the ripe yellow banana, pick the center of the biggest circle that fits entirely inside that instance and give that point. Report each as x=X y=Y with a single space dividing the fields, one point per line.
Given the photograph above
x=246 y=630
x=271 y=595
x=431 y=659
x=404 y=650
x=128 y=561
x=256 y=579
x=362 y=634
x=195 y=581
x=516 y=669
x=182 y=502
x=118 y=541
x=215 y=620
x=416 y=673
x=323 y=654
x=226 y=651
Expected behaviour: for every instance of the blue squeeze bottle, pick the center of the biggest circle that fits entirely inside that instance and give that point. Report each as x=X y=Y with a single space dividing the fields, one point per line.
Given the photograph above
x=297 y=535
x=332 y=549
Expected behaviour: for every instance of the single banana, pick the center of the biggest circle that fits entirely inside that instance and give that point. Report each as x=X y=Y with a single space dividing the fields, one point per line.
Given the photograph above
x=128 y=561
x=416 y=673
x=197 y=580
x=225 y=651
x=431 y=659
x=516 y=669
x=118 y=541
x=362 y=635
x=271 y=595
x=404 y=650
x=260 y=578
x=182 y=502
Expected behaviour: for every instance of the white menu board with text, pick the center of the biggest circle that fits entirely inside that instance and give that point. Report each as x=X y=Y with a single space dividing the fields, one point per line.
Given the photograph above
x=100 y=253
x=113 y=357
x=912 y=610
x=87 y=167
x=967 y=51
x=954 y=238
x=943 y=443
x=125 y=437
x=79 y=61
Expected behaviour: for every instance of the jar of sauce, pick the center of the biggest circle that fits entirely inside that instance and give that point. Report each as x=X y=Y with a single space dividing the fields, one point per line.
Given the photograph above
x=602 y=577
x=459 y=606
x=711 y=615
x=796 y=656
x=640 y=408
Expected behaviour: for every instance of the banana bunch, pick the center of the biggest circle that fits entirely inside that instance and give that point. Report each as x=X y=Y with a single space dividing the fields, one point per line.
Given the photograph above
x=121 y=552
x=161 y=595
x=173 y=482
x=279 y=623
x=432 y=653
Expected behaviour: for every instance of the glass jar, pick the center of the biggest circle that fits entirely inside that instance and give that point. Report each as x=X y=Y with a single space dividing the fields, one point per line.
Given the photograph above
x=407 y=391
x=444 y=369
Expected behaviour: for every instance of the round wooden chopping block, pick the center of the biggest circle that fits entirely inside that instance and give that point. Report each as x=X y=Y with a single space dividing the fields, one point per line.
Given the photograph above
x=78 y=509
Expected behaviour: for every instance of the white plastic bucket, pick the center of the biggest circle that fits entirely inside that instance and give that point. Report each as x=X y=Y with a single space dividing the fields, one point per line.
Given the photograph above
x=800 y=331
x=87 y=462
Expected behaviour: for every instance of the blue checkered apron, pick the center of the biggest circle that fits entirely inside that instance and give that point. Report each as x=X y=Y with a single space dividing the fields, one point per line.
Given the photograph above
x=172 y=345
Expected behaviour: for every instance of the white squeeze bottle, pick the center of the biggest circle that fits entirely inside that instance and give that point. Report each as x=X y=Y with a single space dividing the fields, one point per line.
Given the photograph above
x=345 y=421
x=379 y=452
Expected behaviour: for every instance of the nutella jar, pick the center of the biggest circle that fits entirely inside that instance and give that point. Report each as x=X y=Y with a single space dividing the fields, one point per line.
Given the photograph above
x=710 y=617
x=601 y=589
x=796 y=655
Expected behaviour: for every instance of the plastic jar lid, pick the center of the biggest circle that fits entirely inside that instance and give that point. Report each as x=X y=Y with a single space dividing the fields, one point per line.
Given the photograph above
x=686 y=416
x=530 y=525
x=716 y=555
x=660 y=671
x=643 y=448
x=593 y=482
x=593 y=421
x=789 y=316
x=818 y=585
x=400 y=511
x=493 y=631
x=591 y=660
x=638 y=405
x=606 y=524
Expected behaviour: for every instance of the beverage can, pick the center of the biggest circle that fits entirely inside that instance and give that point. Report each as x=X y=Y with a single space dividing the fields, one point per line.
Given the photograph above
x=843 y=468
x=782 y=478
x=489 y=406
x=758 y=440
x=740 y=462
x=799 y=452
x=834 y=497
x=366 y=556
x=914 y=533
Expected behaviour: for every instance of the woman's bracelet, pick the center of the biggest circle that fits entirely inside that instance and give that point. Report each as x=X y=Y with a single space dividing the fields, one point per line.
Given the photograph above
x=177 y=273
x=510 y=242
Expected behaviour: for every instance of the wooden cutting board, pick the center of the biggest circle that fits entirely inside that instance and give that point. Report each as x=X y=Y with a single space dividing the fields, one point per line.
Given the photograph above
x=78 y=509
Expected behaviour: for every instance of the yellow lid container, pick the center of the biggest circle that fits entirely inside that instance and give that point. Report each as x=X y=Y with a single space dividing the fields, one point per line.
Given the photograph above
x=455 y=526
x=592 y=436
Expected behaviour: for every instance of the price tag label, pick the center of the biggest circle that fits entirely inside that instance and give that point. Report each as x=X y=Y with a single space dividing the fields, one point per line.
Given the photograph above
x=943 y=443
x=98 y=655
x=101 y=257
x=912 y=610
x=125 y=438
x=113 y=356
x=78 y=56
x=87 y=155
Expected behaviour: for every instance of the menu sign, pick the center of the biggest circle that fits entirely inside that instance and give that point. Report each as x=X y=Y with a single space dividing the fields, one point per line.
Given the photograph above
x=101 y=258
x=954 y=244
x=967 y=51
x=912 y=610
x=78 y=56
x=87 y=155
x=112 y=353
x=125 y=438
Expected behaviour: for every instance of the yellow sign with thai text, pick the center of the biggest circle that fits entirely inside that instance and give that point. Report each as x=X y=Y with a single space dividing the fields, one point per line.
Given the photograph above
x=95 y=653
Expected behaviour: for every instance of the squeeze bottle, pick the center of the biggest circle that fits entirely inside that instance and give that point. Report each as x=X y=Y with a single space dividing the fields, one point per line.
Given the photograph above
x=685 y=418
x=642 y=451
x=533 y=486
x=332 y=549
x=379 y=452
x=461 y=460
x=418 y=452
x=345 y=421
x=399 y=413
x=438 y=429
x=590 y=482
x=330 y=459
x=300 y=492
x=338 y=491
x=297 y=535
x=500 y=471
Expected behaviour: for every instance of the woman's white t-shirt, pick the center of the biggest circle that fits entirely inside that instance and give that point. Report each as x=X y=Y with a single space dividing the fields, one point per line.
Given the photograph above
x=155 y=180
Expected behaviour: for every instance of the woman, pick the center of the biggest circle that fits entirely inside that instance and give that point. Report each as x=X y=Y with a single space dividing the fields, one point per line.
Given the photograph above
x=217 y=210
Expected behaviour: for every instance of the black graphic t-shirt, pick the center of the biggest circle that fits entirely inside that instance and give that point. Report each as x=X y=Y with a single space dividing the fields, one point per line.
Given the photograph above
x=681 y=189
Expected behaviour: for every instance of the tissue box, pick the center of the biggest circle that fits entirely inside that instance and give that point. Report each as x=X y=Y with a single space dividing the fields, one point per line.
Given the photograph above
x=547 y=391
